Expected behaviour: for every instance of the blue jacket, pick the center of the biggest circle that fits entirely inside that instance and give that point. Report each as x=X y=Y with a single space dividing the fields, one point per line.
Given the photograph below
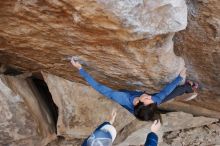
x=124 y=97
x=151 y=139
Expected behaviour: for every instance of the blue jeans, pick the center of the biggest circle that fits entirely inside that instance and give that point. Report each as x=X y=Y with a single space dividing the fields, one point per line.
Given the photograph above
x=179 y=90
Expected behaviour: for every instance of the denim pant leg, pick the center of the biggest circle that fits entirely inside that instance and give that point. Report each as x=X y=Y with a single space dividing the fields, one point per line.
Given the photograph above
x=179 y=90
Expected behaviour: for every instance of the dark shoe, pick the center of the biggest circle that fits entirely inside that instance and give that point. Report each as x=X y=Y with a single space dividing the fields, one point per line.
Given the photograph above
x=194 y=85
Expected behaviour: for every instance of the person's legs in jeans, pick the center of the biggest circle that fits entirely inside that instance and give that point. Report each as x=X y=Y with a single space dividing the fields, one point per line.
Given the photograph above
x=179 y=90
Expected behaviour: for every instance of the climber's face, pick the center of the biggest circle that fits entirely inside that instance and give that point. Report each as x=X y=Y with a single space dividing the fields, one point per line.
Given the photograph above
x=146 y=99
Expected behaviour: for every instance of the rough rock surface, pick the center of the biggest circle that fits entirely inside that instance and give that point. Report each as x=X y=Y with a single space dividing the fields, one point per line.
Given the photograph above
x=81 y=108
x=137 y=130
x=199 y=45
x=22 y=120
x=207 y=135
x=38 y=35
x=122 y=43
x=149 y=18
x=77 y=121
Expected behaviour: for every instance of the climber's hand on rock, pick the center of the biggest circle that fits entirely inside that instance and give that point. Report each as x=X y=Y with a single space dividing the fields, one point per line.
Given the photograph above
x=155 y=126
x=76 y=64
x=183 y=73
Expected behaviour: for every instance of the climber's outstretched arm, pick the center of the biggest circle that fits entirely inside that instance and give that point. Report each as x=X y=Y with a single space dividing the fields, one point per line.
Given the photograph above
x=159 y=97
x=117 y=96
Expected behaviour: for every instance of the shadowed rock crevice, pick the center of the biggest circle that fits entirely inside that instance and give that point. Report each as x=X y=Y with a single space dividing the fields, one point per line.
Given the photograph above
x=25 y=116
x=39 y=86
x=9 y=70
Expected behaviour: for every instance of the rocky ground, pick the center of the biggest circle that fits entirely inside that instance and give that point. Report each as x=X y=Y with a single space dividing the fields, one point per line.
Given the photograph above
x=207 y=135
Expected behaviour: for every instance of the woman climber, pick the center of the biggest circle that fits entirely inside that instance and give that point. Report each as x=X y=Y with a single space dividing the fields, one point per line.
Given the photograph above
x=141 y=104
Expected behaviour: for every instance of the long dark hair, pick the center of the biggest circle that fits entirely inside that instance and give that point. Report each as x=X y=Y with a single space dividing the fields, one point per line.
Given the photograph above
x=147 y=112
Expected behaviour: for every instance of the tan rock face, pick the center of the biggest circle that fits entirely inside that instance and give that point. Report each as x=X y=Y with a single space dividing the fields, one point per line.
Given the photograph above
x=123 y=44
x=149 y=18
x=23 y=121
x=137 y=131
x=118 y=41
x=38 y=35
x=206 y=135
x=199 y=45
x=81 y=108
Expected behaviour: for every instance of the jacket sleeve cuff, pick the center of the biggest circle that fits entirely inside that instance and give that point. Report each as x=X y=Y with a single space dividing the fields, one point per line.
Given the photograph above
x=153 y=135
x=179 y=78
x=81 y=71
x=156 y=100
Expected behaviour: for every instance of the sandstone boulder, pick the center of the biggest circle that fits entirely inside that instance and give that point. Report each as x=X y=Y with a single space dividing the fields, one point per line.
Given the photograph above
x=23 y=120
x=199 y=46
x=137 y=131
x=81 y=108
